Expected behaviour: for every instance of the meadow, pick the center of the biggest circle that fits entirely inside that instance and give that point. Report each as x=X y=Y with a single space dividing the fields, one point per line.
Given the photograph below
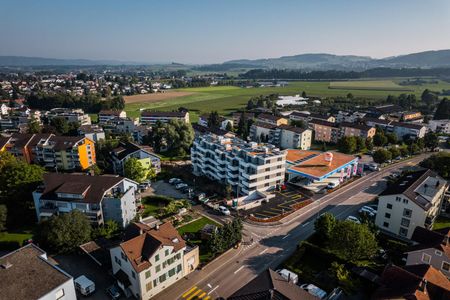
x=226 y=99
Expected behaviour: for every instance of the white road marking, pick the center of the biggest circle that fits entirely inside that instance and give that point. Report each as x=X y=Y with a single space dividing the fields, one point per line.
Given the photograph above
x=285 y=236
x=305 y=224
x=240 y=268
x=264 y=251
x=213 y=289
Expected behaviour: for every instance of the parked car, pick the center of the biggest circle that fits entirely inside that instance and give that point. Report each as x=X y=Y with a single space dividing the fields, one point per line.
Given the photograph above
x=174 y=180
x=288 y=275
x=181 y=185
x=314 y=290
x=84 y=285
x=353 y=219
x=332 y=185
x=113 y=291
x=373 y=206
x=367 y=210
x=200 y=196
x=373 y=167
x=225 y=211
x=186 y=190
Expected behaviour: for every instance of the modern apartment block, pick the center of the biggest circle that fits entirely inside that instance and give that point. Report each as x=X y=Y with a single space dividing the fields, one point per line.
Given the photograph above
x=247 y=167
x=151 y=117
x=283 y=136
x=100 y=198
x=26 y=273
x=127 y=150
x=415 y=199
x=52 y=151
x=271 y=119
x=93 y=132
x=105 y=115
x=70 y=115
x=357 y=130
x=325 y=131
x=151 y=259
x=439 y=126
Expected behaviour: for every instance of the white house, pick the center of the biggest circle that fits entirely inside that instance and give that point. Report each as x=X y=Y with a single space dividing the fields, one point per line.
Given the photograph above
x=127 y=150
x=439 y=126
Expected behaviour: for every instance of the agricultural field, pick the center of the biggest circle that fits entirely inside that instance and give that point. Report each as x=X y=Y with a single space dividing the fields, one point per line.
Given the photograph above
x=227 y=99
x=155 y=97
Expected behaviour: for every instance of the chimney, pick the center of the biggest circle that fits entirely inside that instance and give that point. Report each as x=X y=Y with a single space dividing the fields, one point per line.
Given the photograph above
x=157 y=227
x=7 y=265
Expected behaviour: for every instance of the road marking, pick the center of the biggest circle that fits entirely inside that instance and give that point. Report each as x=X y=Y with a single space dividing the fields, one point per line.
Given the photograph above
x=285 y=236
x=194 y=294
x=188 y=292
x=240 y=268
x=212 y=291
x=305 y=224
x=264 y=251
x=202 y=295
x=207 y=298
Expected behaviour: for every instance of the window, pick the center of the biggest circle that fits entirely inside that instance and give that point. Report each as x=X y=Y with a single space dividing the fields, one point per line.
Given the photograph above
x=405 y=222
x=438 y=253
x=445 y=266
x=133 y=274
x=166 y=253
x=178 y=268
x=59 y=294
x=171 y=272
x=158 y=268
x=389 y=206
x=157 y=257
x=147 y=274
x=387 y=215
x=117 y=260
x=124 y=257
x=386 y=224
x=405 y=201
x=426 y=258
x=162 y=278
x=148 y=286
x=398 y=199
x=155 y=282
x=407 y=213
x=403 y=231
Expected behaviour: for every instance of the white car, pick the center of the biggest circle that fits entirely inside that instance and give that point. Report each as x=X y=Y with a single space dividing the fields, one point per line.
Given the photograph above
x=373 y=167
x=367 y=210
x=353 y=219
x=174 y=180
x=332 y=185
x=180 y=186
x=224 y=210
x=314 y=290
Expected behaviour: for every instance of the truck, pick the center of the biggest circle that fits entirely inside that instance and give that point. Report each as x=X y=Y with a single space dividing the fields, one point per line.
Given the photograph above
x=84 y=285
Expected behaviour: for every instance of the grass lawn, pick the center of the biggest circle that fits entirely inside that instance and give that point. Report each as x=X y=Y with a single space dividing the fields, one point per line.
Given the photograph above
x=13 y=240
x=379 y=85
x=441 y=222
x=196 y=226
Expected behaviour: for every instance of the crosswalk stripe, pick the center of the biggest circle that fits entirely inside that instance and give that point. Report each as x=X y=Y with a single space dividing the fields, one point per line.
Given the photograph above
x=188 y=292
x=194 y=294
x=202 y=295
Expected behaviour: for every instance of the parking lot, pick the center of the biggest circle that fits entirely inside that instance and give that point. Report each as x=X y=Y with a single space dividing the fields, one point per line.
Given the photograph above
x=278 y=205
x=161 y=187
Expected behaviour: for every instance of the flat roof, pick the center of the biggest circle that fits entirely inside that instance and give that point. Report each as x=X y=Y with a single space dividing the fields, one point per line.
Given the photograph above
x=313 y=164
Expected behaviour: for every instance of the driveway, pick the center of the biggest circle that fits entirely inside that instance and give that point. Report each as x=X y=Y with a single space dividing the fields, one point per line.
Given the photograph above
x=161 y=187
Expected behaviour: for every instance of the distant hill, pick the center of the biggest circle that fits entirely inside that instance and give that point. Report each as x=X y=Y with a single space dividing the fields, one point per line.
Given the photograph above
x=25 y=61
x=427 y=59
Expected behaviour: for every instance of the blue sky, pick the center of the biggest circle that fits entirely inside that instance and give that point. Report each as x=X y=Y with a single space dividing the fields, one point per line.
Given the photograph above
x=201 y=31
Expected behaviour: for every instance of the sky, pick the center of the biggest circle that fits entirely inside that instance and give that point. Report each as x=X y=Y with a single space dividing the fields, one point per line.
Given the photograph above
x=213 y=31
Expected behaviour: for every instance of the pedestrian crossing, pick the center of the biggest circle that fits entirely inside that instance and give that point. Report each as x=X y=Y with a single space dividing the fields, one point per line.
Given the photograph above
x=195 y=293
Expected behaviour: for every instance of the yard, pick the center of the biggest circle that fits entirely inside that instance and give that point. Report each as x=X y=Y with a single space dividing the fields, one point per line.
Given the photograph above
x=14 y=240
x=441 y=222
x=196 y=226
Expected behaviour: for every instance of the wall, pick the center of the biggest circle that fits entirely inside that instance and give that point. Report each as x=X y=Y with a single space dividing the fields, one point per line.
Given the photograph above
x=415 y=258
x=192 y=255
x=125 y=266
x=69 y=292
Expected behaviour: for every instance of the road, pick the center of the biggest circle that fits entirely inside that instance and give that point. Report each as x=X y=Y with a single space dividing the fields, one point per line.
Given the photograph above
x=273 y=244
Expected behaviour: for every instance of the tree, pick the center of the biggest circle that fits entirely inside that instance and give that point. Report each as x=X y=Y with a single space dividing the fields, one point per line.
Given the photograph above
x=403 y=150
x=353 y=242
x=413 y=148
x=350 y=96
x=438 y=162
x=214 y=119
x=369 y=144
x=3 y=217
x=443 y=110
x=395 y=152
x=304 y=94
x=60 y=124
x=64 y=233
x=429 y=98
x=108 y=230
x=242 y=128
x=299 y=123
x=379 y=139
x=391 y=138
x=229 y=126
x=134 y=170
x=34 y=126
x=360 y=144
x=250 y=104
x=431 y=140
x=381 y=156
x=342 y=276
x=324 y=226
x=347 y=144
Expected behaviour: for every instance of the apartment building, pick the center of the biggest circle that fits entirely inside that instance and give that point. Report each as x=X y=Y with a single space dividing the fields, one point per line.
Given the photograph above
x=261 y=132
x=409 y=130
x=236 y=117
x=357 y=130
x=414 y=200
x=93 y=132
x=127 y=150
x=247 y=167
x=439 y=126
x=152 y=117
x=70 y=115
x=108 y=114
x=52 y=151
x=203 y=120
x=26 y=273
x=100 y=198
x=325 y=131
x=271 y=119
x=349 y=116
x=152 y=259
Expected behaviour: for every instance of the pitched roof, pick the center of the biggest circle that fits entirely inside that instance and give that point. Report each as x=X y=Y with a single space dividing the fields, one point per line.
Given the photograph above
x=4 y=141
x=204 y=129
x=270 y=285
x=29 y=275
x=375 y=120
x=111 y=112
x=323 y=123
x=292 y=128
x=408 y=125
x=356 y=125
x=93 y=186
x=431 y=239
x=126 y=148
x=269 y=117
x=264 y=125
x=141 y=248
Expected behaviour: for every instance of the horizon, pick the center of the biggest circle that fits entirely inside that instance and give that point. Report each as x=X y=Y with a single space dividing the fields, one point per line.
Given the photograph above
x=207 y=32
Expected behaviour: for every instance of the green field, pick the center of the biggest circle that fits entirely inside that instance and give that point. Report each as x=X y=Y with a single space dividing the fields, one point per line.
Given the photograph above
x=228 y=99
x=196 y=226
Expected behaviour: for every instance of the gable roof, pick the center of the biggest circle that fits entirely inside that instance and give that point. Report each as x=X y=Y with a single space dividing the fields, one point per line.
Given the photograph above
x=269 y=117
x=292 y=128
x=431 y=239
x=127 y=148
x=323 y=123
x=270 y=285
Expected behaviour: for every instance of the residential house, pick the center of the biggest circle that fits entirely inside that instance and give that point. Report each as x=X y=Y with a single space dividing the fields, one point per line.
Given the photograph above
x=100 y=198
x=414 y=200
x=439 y=126
x=290 y=137
x=412 y=282
x=247 y=167
x=152 y=259
x=70 y=115
x=409 y=130
x=300 y=116
x=106 y=115
x=382 y=123
x=357 y=130
x=270 y=285
x=27 y=273
x=93 y=132
x=261 y=132
x=152 y=117
x=321 y=117
x=201 y=130
x=430 y=247
x=223 y=122
x=324 y=131
x=236 y=117
x=127 y=150
x=271 y=119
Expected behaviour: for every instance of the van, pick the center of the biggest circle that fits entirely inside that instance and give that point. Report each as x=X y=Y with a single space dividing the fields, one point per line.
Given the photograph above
x=288 y=275
x=84 y=285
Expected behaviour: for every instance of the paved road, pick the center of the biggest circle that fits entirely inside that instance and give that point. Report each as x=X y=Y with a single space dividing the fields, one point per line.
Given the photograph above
x=273 y=244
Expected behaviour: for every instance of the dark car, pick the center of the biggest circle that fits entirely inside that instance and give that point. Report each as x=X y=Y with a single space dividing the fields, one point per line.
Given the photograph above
x=114 y=292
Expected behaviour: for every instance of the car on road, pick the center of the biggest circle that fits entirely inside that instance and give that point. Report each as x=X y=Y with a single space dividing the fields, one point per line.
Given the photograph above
x=113 y=291
x=353 y=219
x=181 y=185
x=225 y=211
x=314 y=290
x=373 y=167
x=175 y=180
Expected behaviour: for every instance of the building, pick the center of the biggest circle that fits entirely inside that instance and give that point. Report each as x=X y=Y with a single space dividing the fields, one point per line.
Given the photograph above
x=409 y=130
x=415 y=199
x=52 y=151
x=271 y=119
x=236 y=117
x=247 y=167
x=412 y=282
x=152 y=117
x=93 y=132
x=430 y=247
x=105 y=115
x=271 y=285
x=261 y=132
x=314 y=170
x=203 y=120
x=26 y=273
x=382 y=123
x=290 y=137
x=152 y=259
x=349 y=116
x=127 y=150
x=70 y=115
x=100 y=198
x=439 y=126
x=300 y=116
x=357 y=130
x=325 y=131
